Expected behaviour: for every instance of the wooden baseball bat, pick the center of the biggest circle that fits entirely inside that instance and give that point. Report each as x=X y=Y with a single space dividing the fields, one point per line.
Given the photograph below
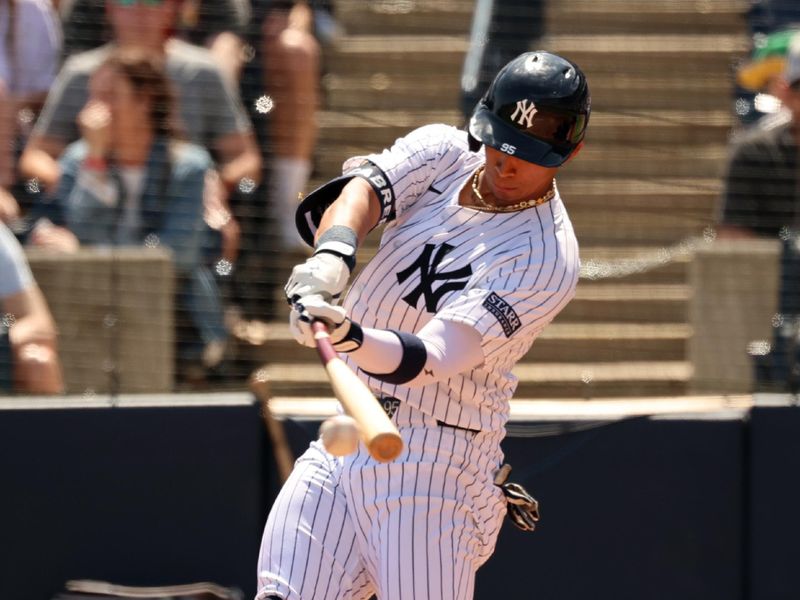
x=282 y=452
x=378 y=432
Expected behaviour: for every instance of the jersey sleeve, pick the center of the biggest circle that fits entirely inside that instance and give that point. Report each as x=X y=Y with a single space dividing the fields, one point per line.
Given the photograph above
x=411 y=164
x=512 y=303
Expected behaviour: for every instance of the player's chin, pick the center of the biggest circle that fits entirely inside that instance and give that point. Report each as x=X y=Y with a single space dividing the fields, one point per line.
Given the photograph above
x=506 y=194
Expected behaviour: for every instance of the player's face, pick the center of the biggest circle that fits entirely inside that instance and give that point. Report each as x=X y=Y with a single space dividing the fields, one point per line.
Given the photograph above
x=511 y=179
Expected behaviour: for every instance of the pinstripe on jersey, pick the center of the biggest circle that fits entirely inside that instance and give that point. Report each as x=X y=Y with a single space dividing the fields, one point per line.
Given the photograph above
x=527 y=259
x=414 y=529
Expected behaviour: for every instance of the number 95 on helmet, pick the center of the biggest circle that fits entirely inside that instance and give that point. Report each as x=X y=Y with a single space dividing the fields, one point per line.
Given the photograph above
x=536 y=109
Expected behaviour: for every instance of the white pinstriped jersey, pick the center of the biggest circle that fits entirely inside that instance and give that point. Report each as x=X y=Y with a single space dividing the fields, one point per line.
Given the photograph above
x=420 y=526
x=505 y=274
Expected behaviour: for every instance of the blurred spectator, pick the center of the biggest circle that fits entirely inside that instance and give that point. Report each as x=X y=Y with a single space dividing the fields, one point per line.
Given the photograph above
x=767 y=16
x=27 y=328
x=761 y=193
x=268 y=49
x=762 y=199
x=767 y=21
x=757 y=78
x=501 y=30
x=210 y=110
x=129 y=181
x=218 y=25
x=291 y=78
x=30 y=43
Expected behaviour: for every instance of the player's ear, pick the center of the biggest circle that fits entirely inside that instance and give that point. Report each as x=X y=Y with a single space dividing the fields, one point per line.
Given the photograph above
x=574 y=153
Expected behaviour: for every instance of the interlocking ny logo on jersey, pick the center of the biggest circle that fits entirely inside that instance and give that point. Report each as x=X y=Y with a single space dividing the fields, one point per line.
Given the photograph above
x=428 y=263
x=523 y=114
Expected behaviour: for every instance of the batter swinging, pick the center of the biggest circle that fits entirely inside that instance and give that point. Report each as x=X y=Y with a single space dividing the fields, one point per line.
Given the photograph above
x=478 y=255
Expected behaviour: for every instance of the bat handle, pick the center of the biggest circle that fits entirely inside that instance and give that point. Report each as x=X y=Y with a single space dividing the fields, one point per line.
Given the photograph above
x=322 y=338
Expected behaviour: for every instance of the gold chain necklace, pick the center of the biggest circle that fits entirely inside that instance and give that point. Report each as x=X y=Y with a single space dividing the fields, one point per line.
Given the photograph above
x=511 y=207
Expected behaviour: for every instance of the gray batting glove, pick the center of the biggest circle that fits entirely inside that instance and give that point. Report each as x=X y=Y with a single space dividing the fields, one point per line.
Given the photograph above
x=346 y=335
x=323 y=274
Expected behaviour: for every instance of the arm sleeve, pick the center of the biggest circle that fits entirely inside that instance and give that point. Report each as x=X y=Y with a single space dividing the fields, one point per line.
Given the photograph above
x=15 y=274
x=451 y=348
x=513 y=303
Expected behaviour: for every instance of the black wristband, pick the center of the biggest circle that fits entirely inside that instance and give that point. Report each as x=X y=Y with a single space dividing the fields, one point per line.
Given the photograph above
x=352 y=341
x=415 y=355
x=340 y=241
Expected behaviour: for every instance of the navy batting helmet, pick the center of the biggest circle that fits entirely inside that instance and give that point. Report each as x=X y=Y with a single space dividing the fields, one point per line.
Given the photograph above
x=536 y=109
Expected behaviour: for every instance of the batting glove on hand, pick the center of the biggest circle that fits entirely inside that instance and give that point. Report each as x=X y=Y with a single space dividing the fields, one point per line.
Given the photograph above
x=523 y=509
x=325 y=274
x=345 y=335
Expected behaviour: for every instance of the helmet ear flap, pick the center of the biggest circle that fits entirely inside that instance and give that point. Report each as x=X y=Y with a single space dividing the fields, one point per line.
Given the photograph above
x=473 y=143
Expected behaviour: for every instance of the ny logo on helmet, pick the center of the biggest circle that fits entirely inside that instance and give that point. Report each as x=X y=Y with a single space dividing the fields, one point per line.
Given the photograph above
x=523 y=114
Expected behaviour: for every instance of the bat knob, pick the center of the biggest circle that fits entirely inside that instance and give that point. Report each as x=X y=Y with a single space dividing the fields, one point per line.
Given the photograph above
x=385 y=447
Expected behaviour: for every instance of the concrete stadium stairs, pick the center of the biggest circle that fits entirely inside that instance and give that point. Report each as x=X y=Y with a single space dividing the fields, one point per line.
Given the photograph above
x=646 y=184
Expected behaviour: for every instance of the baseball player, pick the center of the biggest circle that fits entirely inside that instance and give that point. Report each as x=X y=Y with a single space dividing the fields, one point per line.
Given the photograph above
x=477 y=256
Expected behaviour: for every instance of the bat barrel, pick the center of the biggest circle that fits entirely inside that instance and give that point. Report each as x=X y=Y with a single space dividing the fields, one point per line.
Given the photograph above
x=378 y=432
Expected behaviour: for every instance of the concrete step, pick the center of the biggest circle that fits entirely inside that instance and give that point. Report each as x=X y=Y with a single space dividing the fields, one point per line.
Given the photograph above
x=617 y=302
x=566 y=16
x=379 y=128
x=646 y=203
x=539 y=380
x=649 y=160
x=408 y=90
x=393 y=17
x=594 y=379
x=612 y=92
x=671 y=56
x=677 y=56
x=609 y=342
x=635 y=16
x=367 y=55
x=629 y=212
x=631 y=228
x=657 y=193
x=660 y=126
x=560 y=342
x=640 y=265
x=600 y=160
